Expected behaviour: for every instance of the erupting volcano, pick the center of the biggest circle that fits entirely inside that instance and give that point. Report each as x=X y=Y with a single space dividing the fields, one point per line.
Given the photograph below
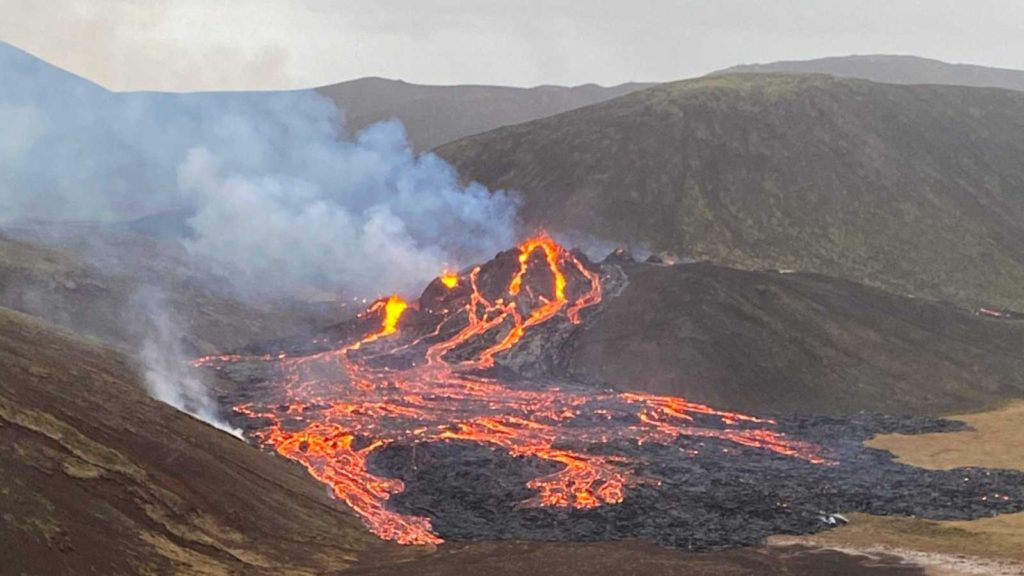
x=441 y=369
x=333 y=423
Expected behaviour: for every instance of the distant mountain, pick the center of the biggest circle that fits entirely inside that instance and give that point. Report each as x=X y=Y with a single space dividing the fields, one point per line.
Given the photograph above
x=894 y=70
x=919 y=189
x=35 y=70
x=435 y=115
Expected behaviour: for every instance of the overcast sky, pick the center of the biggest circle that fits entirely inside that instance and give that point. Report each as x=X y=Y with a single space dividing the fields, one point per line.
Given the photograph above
x=247 y=44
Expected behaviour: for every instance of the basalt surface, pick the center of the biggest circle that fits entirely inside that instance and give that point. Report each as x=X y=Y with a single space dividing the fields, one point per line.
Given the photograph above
x=718 y=495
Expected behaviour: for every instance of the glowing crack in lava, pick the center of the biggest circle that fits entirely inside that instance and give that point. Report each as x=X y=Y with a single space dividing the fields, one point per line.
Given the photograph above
x=340 y=406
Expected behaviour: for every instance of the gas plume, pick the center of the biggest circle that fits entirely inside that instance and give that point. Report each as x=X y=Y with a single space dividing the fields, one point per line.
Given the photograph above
x=273 y=193
x=264 y=189
x=166 y=372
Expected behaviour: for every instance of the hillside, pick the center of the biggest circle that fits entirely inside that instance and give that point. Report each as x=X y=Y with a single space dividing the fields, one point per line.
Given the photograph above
x=436 y=115
x=894 y=69
x=768 y=342
x=914 y=188
x=102 y=285
x=98 y=478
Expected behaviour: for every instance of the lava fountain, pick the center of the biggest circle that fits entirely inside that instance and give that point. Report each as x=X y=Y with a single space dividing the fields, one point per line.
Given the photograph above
x=431 y=372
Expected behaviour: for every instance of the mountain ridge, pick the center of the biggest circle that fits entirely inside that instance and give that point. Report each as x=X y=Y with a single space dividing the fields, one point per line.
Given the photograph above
x=434 y=114
x=893 y=69
x=914 y=188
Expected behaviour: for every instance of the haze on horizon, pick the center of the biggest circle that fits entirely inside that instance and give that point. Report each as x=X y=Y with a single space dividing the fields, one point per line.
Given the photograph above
x=271 y=44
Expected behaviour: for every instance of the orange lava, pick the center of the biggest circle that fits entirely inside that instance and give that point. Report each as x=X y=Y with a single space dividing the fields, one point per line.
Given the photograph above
x=449 y=279
x=340 y=406
x=393 y=309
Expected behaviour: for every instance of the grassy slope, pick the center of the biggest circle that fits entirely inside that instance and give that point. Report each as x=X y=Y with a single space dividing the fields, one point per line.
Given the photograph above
x=993 y=443
x=915 y=188
x=98 y=478
x=761 y=341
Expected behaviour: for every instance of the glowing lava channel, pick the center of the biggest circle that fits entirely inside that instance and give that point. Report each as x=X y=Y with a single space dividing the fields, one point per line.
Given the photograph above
x=339 y=408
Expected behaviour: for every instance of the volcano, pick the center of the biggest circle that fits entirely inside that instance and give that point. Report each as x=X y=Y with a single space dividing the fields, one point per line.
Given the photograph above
x=448 y=418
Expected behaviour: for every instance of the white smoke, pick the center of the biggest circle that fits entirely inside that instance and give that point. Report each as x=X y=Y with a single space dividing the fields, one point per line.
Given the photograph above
x=382 y=220
x=280 y=197
x=167 y=373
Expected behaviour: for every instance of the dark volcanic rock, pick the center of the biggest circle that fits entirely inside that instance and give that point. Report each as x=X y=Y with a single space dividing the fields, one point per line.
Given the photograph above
x=722 y=496
x=696 y=478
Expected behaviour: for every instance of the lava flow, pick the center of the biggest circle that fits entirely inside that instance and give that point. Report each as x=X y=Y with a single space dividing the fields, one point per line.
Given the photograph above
x=430 y=376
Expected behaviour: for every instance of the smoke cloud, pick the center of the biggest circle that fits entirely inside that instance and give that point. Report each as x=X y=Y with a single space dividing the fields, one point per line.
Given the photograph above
x=270 y=191
x=278 y=195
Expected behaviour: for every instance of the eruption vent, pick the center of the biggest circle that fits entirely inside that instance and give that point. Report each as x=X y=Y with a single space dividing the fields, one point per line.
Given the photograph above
x=450 y=279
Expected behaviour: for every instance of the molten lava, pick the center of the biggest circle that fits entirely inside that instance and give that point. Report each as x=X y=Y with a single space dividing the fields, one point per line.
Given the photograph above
x=449 y=279
x=337 y=408
x=392 y=309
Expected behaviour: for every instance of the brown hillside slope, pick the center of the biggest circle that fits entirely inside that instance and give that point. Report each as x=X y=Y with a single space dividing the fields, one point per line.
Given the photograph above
x=97 y=478
x=66 y=288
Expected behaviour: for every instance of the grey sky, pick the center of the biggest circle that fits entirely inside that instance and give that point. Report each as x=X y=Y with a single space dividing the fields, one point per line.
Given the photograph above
x=246 y=44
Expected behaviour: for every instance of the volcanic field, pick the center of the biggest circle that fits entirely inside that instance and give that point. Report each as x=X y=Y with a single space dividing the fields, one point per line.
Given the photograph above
x=452 y=417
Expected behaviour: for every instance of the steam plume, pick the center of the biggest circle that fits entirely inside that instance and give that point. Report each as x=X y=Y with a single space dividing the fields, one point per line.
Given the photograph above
x=280 y=195
x=167 y=374
x=276 y=196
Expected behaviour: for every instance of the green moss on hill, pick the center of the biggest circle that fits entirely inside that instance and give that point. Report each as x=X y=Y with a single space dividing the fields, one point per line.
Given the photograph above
x=918 y=189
